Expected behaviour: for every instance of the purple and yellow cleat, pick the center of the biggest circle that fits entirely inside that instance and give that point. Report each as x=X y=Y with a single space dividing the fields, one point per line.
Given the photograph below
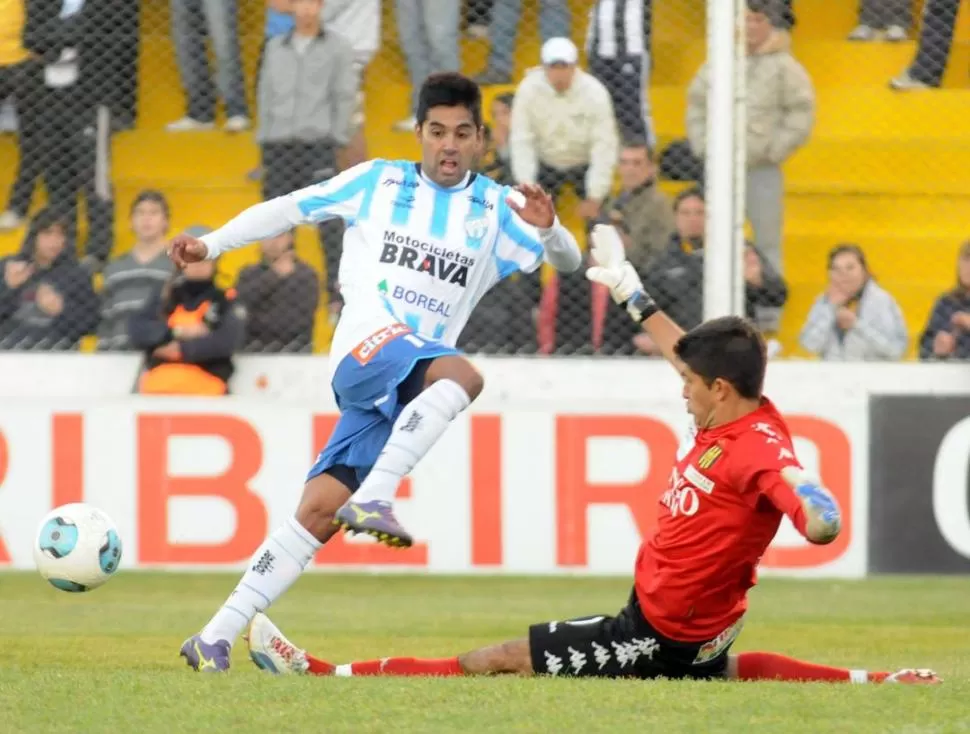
x=375 y=518
x=205 y=658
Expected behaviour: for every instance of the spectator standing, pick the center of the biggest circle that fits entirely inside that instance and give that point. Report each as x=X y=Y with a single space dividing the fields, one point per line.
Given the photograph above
x=933 y=52
x=280 y=296
x=46 y=297
x=618 y=48
x=428 y=31
x=555 y=21
x=19 y=77
x=889 y=19
x=855 y=319
x=781 y=114
x=307 y=97
x=189 y=333
x=359 y=22
x=137 y=277
x=71 y=128
x=192 y=21
x=947 y=332
x=563 y=129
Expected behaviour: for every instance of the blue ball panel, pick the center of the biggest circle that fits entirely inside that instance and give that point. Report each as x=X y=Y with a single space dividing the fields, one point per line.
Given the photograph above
x=109 y=555
x=65 y=585
x=58 y=537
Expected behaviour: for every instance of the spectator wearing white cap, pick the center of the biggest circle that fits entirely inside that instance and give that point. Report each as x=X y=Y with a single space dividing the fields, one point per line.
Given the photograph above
x=563 y=129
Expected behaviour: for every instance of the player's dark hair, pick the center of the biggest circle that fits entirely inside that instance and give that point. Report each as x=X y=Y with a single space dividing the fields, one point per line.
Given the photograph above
x=450 y=89
x=156 y=197
x=729 y=348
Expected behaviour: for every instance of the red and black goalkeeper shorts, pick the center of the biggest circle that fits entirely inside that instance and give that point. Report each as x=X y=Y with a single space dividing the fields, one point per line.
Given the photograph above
x=624 y=646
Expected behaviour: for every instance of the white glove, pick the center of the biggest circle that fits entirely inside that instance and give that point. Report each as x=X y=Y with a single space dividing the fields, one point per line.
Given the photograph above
x=613 y=270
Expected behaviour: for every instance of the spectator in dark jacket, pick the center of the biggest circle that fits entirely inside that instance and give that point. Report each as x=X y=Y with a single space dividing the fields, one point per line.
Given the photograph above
x=46 y=297
x=189 y=333
x=280 y=296
x=307 y=98
x=133 y=279
x=68 y=141
x=947 y=332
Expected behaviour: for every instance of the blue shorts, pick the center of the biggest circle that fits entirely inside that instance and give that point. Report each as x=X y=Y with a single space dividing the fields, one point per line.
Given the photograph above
x=372 y=387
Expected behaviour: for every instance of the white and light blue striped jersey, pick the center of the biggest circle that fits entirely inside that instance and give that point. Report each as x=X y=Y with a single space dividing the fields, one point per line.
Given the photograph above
x=415 y=252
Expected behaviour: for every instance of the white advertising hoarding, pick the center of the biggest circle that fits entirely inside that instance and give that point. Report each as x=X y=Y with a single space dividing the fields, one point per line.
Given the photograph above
x=556 y=469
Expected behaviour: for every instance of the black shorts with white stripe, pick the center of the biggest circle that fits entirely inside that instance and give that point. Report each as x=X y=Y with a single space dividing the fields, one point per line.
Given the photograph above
x=624 y=646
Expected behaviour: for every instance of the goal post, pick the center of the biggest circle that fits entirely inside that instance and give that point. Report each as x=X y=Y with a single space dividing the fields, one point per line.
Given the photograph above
x=725 y=159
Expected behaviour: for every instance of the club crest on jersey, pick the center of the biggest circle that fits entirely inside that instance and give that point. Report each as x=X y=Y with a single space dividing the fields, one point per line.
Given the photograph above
x=476 y=228
x=710 y=457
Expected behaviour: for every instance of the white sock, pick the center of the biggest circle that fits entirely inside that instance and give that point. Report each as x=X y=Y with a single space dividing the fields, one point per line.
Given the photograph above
x=277 y=563
x=416 y=430
x=343 y=671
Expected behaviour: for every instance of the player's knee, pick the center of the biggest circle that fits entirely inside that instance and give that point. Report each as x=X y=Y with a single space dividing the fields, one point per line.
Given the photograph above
x=459 y=370
x=474 y=383
x=322 y=496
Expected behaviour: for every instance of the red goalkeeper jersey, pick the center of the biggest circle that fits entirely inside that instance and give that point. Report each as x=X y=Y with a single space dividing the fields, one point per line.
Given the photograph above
x=722 y=507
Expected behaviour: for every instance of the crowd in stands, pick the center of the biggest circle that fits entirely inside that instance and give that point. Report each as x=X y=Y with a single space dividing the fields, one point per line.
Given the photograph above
x=562 y=126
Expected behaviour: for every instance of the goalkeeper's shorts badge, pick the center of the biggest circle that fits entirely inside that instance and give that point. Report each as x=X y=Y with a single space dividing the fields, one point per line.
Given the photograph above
x=710 y=650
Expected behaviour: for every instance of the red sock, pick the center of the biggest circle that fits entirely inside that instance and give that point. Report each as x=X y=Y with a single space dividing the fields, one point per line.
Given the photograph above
x=769 y=666
x=318 y=666
x=403 y=667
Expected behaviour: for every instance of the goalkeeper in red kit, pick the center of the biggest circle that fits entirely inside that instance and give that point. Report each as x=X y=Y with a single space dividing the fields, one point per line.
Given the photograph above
x=735 y=477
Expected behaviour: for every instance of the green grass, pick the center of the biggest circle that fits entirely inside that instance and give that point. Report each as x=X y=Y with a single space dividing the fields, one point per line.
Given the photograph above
x=106 y=661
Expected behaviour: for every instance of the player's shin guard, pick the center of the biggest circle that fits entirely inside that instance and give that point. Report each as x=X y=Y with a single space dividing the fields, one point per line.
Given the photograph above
x=769 y=666
x=401 y=667
x=417 y=429
x=277 y=563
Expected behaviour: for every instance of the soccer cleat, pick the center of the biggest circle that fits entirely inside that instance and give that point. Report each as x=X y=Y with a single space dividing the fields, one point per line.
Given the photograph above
x=205 y=658
x=915 y=676
x=375 y=518
x=271 y=651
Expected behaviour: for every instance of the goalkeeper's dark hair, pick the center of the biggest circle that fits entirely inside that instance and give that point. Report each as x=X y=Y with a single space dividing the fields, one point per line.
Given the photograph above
x=450 y=89
x=729 y=348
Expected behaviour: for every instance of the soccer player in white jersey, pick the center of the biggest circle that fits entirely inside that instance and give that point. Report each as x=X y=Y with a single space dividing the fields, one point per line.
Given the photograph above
x=424 y=242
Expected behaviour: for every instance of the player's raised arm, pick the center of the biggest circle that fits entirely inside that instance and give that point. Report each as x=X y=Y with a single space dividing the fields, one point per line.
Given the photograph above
x=613 y=270
x=534 y=207
x=340 y=196
x=811 y=507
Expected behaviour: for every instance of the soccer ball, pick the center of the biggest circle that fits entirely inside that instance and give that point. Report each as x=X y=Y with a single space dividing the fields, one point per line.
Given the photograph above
x=77 y=547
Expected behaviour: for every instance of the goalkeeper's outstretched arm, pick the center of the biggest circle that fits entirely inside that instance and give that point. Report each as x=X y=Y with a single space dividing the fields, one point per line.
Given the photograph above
x=615 y=272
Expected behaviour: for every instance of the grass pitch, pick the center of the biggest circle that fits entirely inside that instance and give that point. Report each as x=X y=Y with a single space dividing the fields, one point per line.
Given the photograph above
x=107 y=661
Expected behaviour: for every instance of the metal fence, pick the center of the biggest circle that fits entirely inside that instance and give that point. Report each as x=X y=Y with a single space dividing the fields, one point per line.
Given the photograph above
x=130 y=121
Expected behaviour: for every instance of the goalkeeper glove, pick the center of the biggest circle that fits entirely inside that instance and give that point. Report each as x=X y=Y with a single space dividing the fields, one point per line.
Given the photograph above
x=823 y=517
x=613 y=270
